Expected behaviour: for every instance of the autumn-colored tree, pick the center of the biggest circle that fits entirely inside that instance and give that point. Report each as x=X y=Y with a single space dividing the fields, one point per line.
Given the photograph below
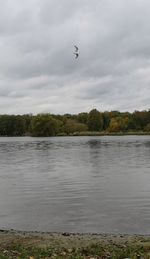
x=147 y=128
x=118 y=124
x=114 y=125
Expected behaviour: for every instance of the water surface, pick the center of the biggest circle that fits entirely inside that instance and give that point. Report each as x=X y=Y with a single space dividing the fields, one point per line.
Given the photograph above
x=76 y=184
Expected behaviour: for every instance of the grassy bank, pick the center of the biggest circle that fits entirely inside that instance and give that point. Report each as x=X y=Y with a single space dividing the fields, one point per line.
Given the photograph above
x=72 y=246
x=104 y=133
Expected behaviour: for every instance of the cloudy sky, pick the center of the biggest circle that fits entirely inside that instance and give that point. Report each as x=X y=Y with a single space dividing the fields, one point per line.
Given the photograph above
x=39 y=72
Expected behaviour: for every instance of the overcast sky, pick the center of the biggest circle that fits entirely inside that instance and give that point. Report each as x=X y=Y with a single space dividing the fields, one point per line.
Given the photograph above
x=39 y=72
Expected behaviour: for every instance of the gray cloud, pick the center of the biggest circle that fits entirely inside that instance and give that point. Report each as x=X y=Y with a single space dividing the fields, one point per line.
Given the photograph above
x=38 y=72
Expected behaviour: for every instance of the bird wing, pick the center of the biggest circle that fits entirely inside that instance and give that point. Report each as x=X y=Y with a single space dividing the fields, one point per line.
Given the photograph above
x=76 y=47
x=76 y=55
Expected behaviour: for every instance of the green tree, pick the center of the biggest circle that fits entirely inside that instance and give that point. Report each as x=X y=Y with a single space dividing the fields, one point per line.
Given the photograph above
x=106 y=120
x=72 y=126
x=95 y=120
x=12 y=125
x=140 y=119
x=83 y=117
x=27 y=118
x=44 y=125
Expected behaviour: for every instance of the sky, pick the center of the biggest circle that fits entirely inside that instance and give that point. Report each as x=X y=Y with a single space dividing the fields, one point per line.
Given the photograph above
x=38 y=69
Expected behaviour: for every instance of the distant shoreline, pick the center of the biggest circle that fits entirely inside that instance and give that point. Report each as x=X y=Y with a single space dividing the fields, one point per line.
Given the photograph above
x=103 y=234
x=87 y=134
x=105 y=134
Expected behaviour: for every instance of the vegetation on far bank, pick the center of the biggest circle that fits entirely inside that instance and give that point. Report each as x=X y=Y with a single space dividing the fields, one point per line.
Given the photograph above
x=94 y=123
x=58 y=246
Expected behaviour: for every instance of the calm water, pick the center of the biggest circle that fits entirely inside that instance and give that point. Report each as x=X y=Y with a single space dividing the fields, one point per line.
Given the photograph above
x=76 y=184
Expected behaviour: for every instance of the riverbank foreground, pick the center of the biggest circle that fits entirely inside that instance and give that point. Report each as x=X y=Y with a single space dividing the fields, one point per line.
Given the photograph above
x=32 y=245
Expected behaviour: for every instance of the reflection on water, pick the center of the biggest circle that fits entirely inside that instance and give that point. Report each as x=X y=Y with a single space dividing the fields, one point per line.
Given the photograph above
x=76 y=184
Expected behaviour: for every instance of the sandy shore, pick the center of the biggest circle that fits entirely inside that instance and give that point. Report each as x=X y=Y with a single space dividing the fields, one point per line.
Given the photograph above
x=66 y=239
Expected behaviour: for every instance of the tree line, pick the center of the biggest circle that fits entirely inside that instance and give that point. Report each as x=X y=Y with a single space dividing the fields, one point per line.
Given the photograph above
x=84 y=123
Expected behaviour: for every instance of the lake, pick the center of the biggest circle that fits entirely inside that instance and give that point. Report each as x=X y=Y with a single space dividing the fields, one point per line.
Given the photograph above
x=75 y=184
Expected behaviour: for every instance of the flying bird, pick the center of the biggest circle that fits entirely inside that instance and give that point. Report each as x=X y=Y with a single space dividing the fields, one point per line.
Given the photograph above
x=76 y=51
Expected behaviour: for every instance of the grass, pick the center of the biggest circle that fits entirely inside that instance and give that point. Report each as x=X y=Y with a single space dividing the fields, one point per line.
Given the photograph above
x=93 y=251
x=35 y=247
